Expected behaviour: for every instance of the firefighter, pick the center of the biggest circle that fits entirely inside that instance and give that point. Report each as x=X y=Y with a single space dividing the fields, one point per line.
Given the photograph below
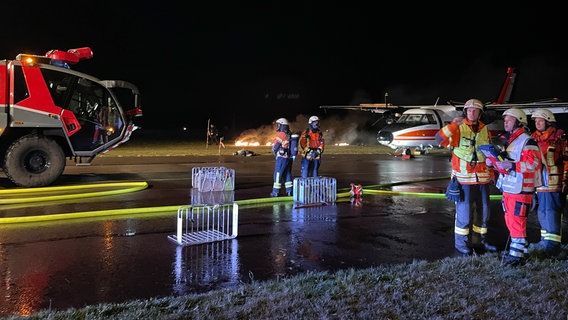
x=213 y=135
x=283 y=165
x=312 y=143
x=464 y=135
x=518 y=185
x=551 y=196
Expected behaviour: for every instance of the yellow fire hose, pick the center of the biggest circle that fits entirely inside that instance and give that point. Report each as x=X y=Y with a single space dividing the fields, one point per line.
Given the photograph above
x=42 y=195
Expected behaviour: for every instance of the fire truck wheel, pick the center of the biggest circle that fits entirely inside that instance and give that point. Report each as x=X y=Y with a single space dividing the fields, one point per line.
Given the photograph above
x=34 y=161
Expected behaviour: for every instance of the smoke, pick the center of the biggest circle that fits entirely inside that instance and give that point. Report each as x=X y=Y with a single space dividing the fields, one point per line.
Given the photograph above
x=354 y=128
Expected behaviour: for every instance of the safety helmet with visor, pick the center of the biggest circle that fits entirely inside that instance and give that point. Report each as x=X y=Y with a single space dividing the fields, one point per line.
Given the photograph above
x=544 y=114
x=474 y=103
x=282 y=125
x=313 y=122
x=518 y=114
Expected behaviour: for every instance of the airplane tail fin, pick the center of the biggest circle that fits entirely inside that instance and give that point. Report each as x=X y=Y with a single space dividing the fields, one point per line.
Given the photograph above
x=507 y=89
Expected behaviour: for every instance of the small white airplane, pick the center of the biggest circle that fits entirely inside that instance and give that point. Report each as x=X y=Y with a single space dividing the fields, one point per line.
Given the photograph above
x=416 y=126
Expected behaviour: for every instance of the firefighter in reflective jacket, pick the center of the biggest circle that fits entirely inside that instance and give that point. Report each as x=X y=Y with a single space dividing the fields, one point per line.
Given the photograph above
x=283 y=165
x=523 y=165
x=551 y=196
x=464 y=135
x=312 y=144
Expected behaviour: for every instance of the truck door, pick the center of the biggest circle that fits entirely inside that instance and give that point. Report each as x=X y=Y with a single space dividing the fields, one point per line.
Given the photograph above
x=101 y=120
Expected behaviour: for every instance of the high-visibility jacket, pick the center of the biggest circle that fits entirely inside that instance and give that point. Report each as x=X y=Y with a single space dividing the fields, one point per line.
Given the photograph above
x=281 y=145
x=554 y=149
x=524 y=151
x=310 y=142
x=468 y=163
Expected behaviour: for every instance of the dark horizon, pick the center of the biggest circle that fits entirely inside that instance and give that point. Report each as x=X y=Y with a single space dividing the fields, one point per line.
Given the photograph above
x=243 y=66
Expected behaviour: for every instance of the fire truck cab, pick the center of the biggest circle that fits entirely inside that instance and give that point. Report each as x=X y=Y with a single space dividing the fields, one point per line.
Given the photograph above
x=49 y=112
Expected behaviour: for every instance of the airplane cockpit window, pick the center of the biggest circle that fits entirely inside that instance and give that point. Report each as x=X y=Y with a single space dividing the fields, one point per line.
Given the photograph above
x=410 y=118
x=415 y=119
x=429 y=119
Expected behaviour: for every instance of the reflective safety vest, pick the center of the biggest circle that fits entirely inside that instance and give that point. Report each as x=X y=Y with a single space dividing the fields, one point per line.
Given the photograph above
x=311 y=141
x=525 y=175
x=468 y=163
x=554 y=147
x=281 y=145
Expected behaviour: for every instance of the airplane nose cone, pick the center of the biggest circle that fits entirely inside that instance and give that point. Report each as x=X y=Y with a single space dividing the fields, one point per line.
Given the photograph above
x=384 y=137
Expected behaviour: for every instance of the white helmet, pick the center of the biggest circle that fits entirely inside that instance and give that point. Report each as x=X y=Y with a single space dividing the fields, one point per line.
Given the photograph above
x=282 y=121
x=545 y=114
x=517 y=114
x=474 y=103
x=312 y=119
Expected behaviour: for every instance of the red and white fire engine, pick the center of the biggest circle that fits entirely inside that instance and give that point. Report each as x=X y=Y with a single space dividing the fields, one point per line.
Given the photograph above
x=49 y=112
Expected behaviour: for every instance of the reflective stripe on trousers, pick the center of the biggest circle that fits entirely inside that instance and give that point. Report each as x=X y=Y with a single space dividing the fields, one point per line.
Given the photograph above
x=550 y=216
x=474 y=211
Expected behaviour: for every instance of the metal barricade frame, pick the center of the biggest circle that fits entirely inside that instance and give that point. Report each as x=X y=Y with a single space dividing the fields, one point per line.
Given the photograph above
x=315 y=190
x=197 y=224
x=213 y=178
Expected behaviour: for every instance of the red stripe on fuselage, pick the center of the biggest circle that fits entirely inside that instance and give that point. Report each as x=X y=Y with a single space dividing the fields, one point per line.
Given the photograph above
x=417 y=135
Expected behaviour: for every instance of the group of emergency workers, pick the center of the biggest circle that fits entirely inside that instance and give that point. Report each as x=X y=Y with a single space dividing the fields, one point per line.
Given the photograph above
x=286 y=146
x=533 y=167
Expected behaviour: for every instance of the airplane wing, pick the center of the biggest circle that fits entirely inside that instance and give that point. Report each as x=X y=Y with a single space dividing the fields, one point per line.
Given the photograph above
x=382 y=107
x=556 y=106
x=369 y=107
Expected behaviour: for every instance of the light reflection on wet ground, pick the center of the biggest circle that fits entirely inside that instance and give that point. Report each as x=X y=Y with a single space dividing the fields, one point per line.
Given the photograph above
x=73 y=263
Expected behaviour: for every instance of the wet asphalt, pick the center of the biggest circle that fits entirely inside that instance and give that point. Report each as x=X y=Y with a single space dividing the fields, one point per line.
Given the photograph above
x=59 y=262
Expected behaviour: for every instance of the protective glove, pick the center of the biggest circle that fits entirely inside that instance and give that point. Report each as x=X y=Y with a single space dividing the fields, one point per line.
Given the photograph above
x=458 y=120
x=315 y=153
x=275 y=148
x=504 y=166
x=438 y=138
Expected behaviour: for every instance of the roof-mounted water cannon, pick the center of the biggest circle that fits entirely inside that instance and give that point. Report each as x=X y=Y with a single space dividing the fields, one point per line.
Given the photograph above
x=71 y=56
x=57 y=57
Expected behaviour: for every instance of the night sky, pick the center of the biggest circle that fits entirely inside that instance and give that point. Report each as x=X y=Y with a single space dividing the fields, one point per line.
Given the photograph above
x=244 y=64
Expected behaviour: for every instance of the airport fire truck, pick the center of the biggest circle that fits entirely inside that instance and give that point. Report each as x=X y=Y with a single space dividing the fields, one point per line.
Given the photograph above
x=50 y=113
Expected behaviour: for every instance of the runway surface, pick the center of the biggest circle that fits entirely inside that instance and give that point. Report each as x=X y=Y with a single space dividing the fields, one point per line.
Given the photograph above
x=120 y=250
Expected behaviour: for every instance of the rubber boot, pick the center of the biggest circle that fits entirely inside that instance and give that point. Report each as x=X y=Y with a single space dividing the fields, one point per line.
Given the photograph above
x=461 y=244
x=480 y=241
x=517 y=251
x=275 y=193
x=513 y=261
x=552 y=248
x=486 y=245
x=541 y=245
